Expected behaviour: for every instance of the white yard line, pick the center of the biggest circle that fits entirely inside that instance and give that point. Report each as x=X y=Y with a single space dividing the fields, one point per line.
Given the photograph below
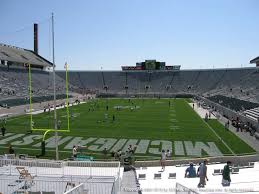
x=173 y=120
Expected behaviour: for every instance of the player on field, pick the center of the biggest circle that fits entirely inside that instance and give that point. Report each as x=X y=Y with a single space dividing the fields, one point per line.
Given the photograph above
x=113 y=118
x=3 y=129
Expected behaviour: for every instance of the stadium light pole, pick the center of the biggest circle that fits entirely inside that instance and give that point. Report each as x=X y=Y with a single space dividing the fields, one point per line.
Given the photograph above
x=54 y=86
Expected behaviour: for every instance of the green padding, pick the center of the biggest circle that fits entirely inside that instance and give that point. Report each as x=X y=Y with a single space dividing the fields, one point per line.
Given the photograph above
x=84 y=158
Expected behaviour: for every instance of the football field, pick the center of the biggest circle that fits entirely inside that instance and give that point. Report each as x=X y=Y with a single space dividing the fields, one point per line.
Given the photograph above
x=150 y=124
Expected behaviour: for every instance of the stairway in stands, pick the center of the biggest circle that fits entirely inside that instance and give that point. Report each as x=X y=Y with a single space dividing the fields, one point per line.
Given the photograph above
x=129 y=184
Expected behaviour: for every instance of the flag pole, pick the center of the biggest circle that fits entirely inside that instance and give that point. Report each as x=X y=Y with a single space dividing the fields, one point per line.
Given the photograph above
x=54 y=87
x=66 y=66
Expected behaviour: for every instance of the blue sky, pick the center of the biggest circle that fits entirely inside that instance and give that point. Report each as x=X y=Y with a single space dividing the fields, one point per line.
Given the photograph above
x=110 y=33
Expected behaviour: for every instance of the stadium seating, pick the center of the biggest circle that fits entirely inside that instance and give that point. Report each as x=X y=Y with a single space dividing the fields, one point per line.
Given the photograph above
x=157 y=176
x=238 y=83
x=14 y=85
x=233 y=103
x=224 y=85
x=172 y=176
x=252 y=113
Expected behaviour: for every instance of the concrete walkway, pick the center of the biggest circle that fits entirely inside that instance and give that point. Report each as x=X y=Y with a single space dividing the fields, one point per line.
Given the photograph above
x=201 y=111
x=129 y=184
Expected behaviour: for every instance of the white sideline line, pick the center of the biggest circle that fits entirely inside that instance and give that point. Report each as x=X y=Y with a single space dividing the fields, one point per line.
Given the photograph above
x=214 y=132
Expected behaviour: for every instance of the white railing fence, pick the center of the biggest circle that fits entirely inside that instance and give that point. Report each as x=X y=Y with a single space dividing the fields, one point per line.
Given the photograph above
x=60 y=168
x=11 y=185
x=59 y=176
x=79 y=189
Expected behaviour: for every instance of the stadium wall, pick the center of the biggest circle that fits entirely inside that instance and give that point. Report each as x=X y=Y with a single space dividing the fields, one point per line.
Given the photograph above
x=240 y=160
x=141 y=95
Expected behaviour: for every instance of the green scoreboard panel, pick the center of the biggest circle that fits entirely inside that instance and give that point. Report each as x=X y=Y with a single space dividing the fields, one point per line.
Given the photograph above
x=150 y=65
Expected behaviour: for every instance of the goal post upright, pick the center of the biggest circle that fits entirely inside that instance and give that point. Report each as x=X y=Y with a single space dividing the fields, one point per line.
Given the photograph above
x=56 y=130
x=46 y=131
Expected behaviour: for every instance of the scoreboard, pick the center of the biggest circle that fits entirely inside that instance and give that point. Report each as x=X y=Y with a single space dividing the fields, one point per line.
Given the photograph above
x=151 y=65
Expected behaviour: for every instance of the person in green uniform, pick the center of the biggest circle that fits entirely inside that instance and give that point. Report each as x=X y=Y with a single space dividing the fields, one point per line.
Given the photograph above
x=226 y=175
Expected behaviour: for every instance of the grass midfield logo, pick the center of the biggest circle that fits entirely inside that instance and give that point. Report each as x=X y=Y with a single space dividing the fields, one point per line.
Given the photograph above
x=143 y=146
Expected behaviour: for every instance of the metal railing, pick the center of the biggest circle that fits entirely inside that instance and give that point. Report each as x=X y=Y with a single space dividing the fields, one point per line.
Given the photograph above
x=60 y=168
x=10 y=185
x=47 y=175
x=72 y=185
x=76 y=190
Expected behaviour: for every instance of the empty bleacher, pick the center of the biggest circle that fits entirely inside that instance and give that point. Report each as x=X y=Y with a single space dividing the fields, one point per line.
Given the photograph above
x=222 y=85
x=233 y=103
x=14 y=85
x=252 y=113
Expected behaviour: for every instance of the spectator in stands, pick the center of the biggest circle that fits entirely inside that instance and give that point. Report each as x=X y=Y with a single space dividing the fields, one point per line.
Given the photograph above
x=198 y=170
x=227 y=125
x=226 y=175
x=238 y=126
x=203 y=174
x=190 y=172
x=163 y=159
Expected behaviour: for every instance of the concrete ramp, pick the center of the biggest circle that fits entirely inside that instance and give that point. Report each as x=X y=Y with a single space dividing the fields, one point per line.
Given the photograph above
x=129 y=184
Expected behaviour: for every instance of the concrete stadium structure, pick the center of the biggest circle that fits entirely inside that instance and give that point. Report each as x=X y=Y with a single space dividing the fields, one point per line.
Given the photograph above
x=230 y=92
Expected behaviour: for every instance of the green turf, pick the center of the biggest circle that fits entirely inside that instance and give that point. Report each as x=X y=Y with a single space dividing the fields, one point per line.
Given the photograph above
x=189 y=100
x=152 y=119
x=236 y=144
